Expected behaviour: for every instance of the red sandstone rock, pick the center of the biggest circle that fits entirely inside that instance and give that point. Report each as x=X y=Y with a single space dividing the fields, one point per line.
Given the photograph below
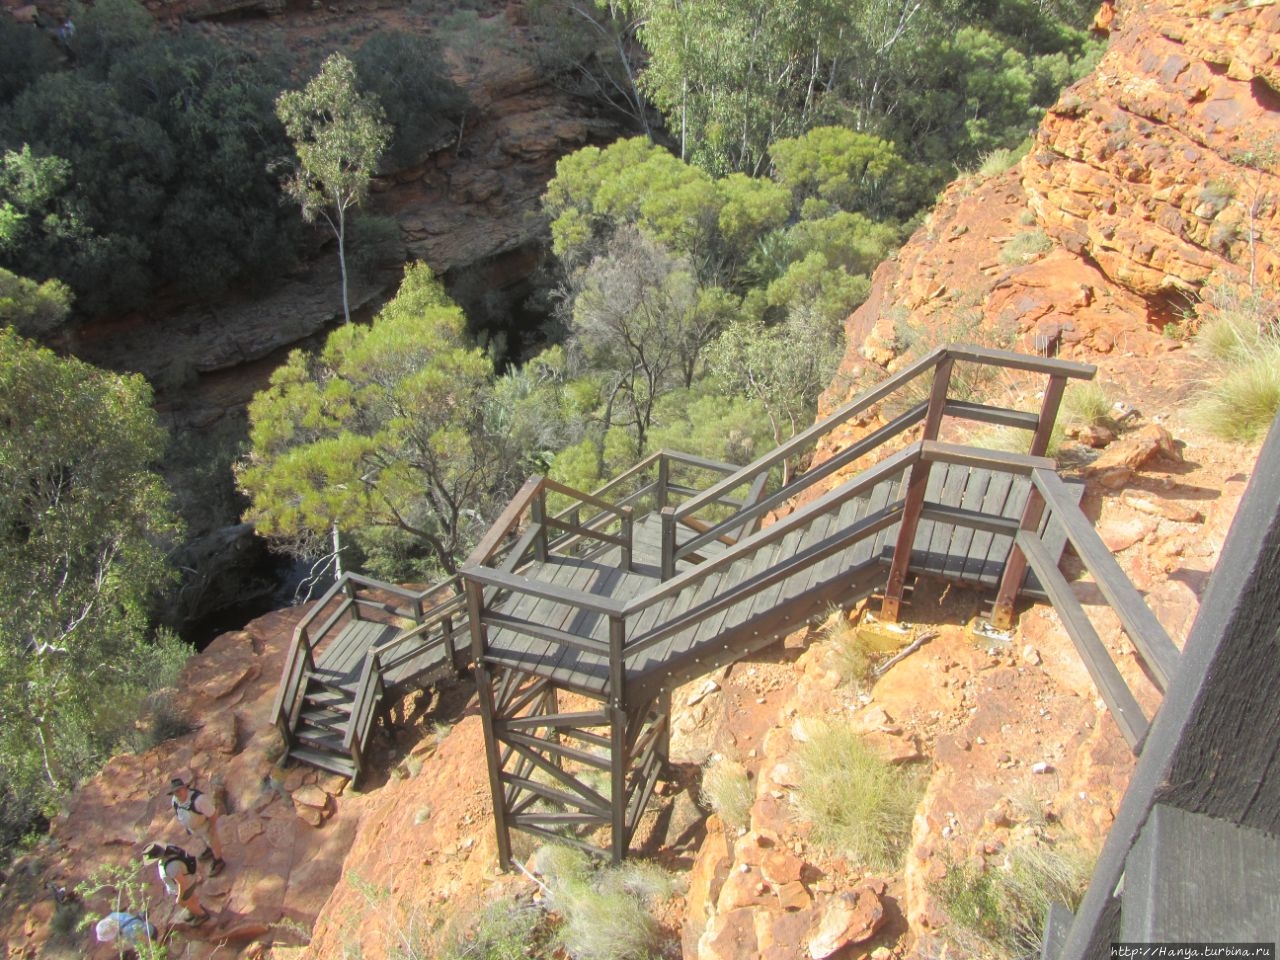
x=846 y=918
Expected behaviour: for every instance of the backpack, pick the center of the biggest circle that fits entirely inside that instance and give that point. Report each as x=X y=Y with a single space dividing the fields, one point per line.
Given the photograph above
x=190 y=805
x=172 y=853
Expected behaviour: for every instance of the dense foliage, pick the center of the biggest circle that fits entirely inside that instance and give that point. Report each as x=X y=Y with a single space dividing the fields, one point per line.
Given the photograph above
x=133 y=158
x=142 y=162
x=947 y=81
x=395 y=433
x=84 y=527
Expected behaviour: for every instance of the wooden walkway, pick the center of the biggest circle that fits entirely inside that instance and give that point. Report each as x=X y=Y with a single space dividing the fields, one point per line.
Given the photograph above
x=667 y=573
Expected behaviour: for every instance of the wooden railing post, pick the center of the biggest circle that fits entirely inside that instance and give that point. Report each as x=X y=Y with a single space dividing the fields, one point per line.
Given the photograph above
x=668 y=550
x=488 y=709
x=918 y=479
x=349 y=590
x=1015 y=568
x=538 y=515
x=1048 y=414
x=664 y=478
x=617 y=740
x=628 y=534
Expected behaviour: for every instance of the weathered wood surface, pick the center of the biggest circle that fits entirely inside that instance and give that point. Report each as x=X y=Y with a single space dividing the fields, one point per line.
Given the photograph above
x=1192 y=878
x=555 y=620
x=1214 y=745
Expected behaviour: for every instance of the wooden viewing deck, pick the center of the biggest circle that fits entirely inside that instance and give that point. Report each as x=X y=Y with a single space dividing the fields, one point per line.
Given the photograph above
x=664 y=575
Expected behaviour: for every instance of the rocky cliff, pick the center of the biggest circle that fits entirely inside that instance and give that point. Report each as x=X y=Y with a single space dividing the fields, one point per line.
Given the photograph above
x=1150 y=176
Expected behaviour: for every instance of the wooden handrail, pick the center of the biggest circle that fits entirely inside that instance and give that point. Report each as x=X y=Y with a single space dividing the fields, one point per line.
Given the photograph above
x=869 y=397
x=1141 y=625
x=546 y=591
x=991 y=357
x=892 y=464
x=760 y=508
x=1021 y=464
x=506 y=521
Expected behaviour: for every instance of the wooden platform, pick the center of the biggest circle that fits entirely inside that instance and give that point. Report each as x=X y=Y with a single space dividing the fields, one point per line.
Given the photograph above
x=747 y=603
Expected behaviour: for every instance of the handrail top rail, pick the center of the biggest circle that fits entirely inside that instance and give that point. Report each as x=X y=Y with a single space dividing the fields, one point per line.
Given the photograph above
x=547 y=591
x=992 y=356
x=965 y=455
x=678 y=456
x=862 y=401
x=877 y=392
x=868 y=478
x=432 y=619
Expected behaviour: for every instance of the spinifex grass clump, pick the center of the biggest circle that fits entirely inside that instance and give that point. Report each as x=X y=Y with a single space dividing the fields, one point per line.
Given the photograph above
x=604 y=911
x=728 y=791
x=860 y=805
x=999 y=911
x=1240 y=395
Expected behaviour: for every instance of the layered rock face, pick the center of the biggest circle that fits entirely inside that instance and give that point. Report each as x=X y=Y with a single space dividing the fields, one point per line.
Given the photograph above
x=1162 y=165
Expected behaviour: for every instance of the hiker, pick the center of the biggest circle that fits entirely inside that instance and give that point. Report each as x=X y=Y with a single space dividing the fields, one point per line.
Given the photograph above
x=178 y=873
x=196 y=812
x=130 y=930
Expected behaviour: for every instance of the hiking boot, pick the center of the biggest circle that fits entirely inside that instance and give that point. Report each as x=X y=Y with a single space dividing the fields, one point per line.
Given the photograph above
x=215 y=868
x=206 y=854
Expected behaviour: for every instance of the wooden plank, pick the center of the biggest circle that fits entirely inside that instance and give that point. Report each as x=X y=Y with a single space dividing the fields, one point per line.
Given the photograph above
x=1139 y=622
x=1192 y=878
x=993 y=503
x=1114 y=691
x=881 y=547
x=939 y=547
x=975 y=493
x=998 y=552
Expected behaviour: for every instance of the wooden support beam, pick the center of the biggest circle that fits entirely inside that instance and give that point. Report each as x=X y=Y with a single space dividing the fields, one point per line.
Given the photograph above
x=1015 y=568
x=914 y=501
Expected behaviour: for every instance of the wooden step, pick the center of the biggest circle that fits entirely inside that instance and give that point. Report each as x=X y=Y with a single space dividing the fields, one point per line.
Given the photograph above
x=324 y=718
x=321 y=738
x=333 y=762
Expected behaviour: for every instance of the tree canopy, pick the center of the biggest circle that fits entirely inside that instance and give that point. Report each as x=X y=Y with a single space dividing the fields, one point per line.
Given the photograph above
x=143 y=162
x=381 y=434
x=85 y=524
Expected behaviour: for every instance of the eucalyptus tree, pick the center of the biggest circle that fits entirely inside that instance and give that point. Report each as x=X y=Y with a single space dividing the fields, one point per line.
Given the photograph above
x=339 y=135
x=85 y=524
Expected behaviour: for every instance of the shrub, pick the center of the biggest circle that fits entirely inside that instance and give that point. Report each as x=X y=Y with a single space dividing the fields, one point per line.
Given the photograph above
x=604 y=912
x=1241 y=345
x=860 y=805
x=1000 y=911
x=506 y=929
x=997 y=162
x=848 y=652
x=1085 y=404
x=727 y=790
x=1026 y=247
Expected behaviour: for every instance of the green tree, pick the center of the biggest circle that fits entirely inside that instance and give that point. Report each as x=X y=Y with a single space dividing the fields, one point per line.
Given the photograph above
x=85 y=524
x=33 y=309
x=641 y=323
x=339 y=136
x=404 y=73
x=383 y=434
x=783 y=367
x=149 y=157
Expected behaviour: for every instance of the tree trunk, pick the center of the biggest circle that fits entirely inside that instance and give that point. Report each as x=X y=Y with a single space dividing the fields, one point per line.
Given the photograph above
x=342 y=263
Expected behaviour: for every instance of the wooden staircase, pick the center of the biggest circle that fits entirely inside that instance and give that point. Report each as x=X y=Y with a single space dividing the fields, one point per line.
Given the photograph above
x=667 y=573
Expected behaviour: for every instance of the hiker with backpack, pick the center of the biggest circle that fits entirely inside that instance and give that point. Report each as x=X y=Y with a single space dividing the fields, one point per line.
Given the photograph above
x=129 y=929
x=196 y=812
x=178 y=873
